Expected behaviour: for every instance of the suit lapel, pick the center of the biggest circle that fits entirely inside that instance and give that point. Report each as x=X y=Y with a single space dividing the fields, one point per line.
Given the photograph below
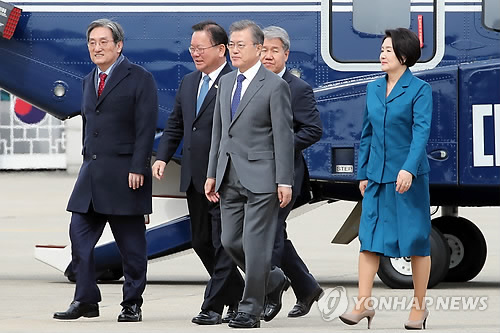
x=91 y=93
x=400 y=86
x=213 y=90
x=381 y=89
x=226 y=98
x=192 y=98
x=118 y=74
x=287 y=76
x=255 y=85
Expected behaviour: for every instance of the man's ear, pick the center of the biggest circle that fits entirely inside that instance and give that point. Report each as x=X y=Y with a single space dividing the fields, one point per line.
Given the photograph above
x=119 y=45
x=287 y=53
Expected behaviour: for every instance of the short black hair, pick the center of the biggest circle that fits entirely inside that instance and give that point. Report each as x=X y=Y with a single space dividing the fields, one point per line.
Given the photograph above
x=405 y=44
x=217 y=33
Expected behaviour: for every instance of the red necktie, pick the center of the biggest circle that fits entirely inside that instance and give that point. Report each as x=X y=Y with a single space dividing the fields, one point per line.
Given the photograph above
x=102 y=78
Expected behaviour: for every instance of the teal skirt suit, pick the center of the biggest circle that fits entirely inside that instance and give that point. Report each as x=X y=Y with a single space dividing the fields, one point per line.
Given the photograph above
x=394 y=138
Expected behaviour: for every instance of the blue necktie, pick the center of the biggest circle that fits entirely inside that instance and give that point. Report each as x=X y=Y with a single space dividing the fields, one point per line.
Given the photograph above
x=237 y=95
x=203 y=93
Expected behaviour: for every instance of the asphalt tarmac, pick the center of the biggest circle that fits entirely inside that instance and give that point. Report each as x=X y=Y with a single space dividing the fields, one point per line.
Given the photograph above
x=32 y=211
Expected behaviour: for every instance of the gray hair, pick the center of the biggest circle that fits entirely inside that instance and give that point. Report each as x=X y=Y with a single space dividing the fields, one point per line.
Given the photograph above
x=115 y=27
x=273 y=32
x=257 y=34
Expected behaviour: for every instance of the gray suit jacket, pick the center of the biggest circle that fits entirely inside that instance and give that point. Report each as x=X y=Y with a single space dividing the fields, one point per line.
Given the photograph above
x=259 y=140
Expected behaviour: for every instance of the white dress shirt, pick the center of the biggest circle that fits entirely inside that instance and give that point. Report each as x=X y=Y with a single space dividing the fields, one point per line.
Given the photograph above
x=280 y=74
x=212 y=76
x=249 y=75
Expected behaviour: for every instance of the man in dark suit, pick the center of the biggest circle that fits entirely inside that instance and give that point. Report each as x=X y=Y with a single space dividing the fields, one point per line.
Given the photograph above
x=308 y=130
x=251 y=166
x=191 y=119
x=119 y=111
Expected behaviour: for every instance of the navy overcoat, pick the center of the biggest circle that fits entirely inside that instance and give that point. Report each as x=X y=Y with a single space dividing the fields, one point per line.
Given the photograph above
x=118 y=134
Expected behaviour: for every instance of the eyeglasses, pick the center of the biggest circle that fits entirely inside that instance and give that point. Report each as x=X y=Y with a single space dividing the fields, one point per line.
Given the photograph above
x=239 y=46
x=103 y=43
x=200 y=50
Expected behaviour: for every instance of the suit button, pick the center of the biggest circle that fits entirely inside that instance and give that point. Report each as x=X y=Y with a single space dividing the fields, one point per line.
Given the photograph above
x=230 y=136
x=194 y=129
x=96 y=133
x=97 y=111
x=94 y=157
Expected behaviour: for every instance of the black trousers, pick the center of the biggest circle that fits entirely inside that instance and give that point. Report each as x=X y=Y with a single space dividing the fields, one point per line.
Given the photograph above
x=226 y=285
x=201 y=228
x=130 y=236
x=286 y=257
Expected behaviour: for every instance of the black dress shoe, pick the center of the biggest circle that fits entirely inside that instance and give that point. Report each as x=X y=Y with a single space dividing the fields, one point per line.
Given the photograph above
x=77 y=310
x=230 y=314
x=130 y=313
x=244 y=320
x=273 y=304
x=303 y=306
x=207 y=317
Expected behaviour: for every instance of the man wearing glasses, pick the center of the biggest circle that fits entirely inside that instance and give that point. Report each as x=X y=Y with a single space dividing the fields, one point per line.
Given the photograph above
x=119 y=110
x=251 y=168
x=191 y=119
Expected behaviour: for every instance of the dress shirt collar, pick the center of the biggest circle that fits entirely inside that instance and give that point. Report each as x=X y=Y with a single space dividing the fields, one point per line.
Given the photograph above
x=110 y=69
x=280 y=74
x=107 y=72
x=214 y=74
x=251 y=72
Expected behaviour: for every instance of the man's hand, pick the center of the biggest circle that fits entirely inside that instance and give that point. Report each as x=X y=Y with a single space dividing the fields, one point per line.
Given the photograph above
x=210 y=193
x=158 y=169
x=362 y=186
x=403 y=183
x=135 y=180
x=284 y=195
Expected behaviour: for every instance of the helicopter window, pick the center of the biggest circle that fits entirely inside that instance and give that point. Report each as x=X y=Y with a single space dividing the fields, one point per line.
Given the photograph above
x=375 y=16
x=353 y=30
x=491 y=14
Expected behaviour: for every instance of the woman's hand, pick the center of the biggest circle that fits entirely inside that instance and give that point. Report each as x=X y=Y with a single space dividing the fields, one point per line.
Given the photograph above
x=403 y=183
x=362 y=186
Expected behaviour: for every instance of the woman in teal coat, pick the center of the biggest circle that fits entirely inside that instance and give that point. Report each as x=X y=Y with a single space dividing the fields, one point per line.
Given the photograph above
x=393 y=172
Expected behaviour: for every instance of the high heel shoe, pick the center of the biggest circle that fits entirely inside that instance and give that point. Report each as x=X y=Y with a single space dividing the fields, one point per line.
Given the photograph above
x=354 y=318
x=417 y=324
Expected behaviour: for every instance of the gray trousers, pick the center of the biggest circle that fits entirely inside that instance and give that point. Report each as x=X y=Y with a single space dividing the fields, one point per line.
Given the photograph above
x=248 y=231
